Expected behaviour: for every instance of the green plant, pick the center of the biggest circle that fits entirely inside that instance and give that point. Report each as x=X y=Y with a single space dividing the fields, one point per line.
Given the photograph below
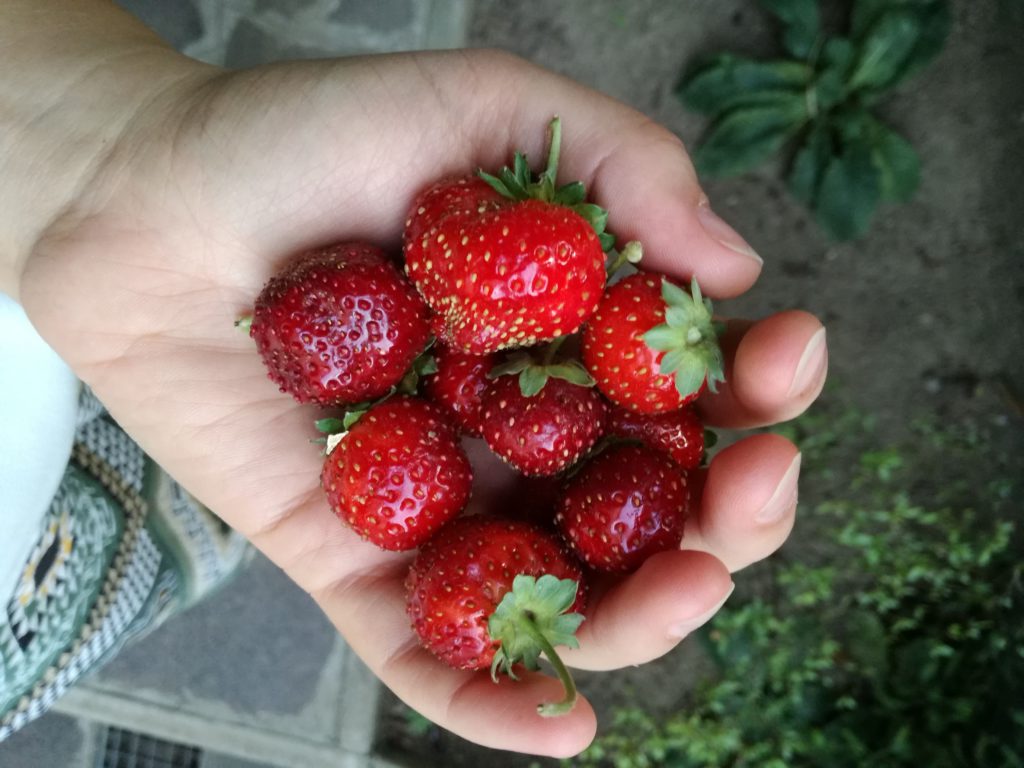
x=899 y=644
x=846 y=160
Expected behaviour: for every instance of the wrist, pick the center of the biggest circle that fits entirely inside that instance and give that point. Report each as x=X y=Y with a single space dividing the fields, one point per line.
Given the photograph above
x=63 y=110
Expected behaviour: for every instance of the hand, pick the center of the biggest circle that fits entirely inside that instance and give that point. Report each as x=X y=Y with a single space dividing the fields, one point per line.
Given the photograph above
x=220 y=177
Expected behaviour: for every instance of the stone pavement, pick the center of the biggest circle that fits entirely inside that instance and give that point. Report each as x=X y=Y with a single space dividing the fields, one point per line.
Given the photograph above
x=255 y=676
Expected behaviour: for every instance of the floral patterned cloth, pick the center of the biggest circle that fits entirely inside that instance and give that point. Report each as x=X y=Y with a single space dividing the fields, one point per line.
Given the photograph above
x=122 y=548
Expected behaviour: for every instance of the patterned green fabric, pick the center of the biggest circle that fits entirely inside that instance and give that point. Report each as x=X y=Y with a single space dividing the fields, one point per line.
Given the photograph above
x=122 y=548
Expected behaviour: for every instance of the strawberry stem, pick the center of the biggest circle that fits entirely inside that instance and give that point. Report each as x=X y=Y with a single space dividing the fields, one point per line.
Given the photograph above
x=554 y=150
x=631 y=253
x=531 y=619
x=244 y=323
x=552 y=708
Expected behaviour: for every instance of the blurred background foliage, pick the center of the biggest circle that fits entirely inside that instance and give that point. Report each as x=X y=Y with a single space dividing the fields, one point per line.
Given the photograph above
x=817 y=105
x=895 y=639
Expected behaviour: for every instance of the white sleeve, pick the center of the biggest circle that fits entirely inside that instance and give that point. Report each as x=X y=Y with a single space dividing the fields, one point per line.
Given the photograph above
x=38 y=409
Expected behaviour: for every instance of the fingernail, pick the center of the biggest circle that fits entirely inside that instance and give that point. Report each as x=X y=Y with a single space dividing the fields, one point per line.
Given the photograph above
x=784 y=497
x=716 y=227
x=686 y=626
x=811 y=367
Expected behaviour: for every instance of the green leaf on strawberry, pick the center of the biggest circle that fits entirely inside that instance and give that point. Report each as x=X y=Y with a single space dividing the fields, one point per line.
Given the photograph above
x=329 y=425
x=518 y=183
x=531 y=619
x=689 y=339
x=534 y=374
x=545 y=419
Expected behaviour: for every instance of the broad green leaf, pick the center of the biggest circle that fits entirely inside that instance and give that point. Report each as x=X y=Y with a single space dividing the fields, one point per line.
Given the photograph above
x=837 y=58
x=865 y=13
x=809 y=165
x=885 y=49
x=801 y=23
x=850 y=191
x=935 y=22
x=746 y=137
x=898 y=164
x=728 y=81
x=933 y=19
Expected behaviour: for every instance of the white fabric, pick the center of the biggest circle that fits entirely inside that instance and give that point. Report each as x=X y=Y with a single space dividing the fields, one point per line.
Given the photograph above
x=38 y=406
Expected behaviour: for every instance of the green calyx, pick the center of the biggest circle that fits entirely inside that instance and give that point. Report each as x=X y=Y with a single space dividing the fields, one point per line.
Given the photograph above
x=334 y=429
x=531 y=619
x=424 y=365
x=533 y=375
x=689 y=339
x=244 y=324
x=518 y=183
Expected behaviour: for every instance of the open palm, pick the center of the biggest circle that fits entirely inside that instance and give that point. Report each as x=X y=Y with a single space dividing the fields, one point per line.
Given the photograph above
x=223 y=176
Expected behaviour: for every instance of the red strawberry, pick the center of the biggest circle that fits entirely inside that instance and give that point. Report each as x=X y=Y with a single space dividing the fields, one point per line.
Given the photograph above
x=458 y=386
x=506 y=262
x=543 y=433
x=680 y=433
x=399 y=474
x=340 y=325
x=487 y=592
x=626 y=504
x=651 y=346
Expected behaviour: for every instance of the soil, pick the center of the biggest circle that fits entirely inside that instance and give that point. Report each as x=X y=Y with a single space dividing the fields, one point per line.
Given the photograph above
x=925 y=314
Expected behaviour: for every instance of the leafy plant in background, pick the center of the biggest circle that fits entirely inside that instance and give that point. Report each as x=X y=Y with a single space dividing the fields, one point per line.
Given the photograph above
x=847 y=161
x=900 y=644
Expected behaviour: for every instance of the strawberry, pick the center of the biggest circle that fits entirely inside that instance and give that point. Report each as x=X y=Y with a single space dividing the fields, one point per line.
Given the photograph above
x=651 y=346
x=626 y=504
x=542 y=433
x=458 y=386
x=339 y=325
x=679 y=433
x=487 y=592
x=398 y=474
x=507 y=261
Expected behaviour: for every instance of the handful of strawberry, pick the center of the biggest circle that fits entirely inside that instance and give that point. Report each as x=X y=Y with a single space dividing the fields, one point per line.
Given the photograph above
x=503 y=271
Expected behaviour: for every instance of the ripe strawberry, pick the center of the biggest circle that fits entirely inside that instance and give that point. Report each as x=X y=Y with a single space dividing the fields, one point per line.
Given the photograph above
x=626 y=504
x=506 y=262
x=651 y=346
x=543 y=433
x=492 y=592
x=458 y=386
x=398 y=474
x=679 y=433
x=340 y=325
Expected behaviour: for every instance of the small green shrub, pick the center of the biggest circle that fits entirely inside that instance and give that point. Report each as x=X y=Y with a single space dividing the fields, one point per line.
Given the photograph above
x=899 y=643
x=847 y=161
